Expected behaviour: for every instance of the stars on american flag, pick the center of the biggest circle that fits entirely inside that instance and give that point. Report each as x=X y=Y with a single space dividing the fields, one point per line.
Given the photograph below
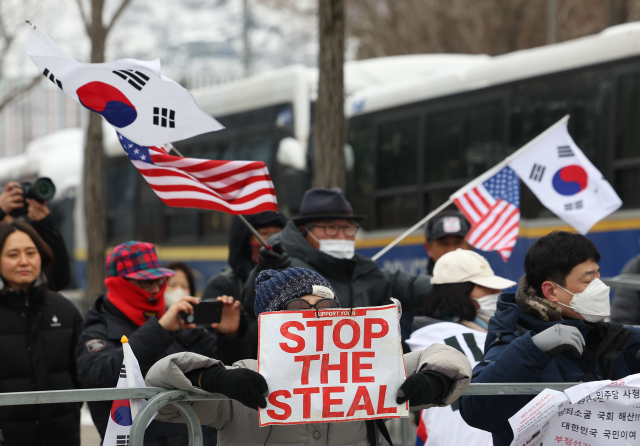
x=134 y=151
x=506 y=185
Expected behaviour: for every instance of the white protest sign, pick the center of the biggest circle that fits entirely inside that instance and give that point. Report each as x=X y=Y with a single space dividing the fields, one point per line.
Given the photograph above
x=331 y=365
x=591 y=414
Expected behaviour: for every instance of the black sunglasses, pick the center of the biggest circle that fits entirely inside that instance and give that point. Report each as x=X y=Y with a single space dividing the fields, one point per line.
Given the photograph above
x=301 y=304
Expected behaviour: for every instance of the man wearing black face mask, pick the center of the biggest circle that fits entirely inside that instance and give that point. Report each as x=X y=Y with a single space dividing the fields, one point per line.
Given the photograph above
x=322 y=239
x=244 y=248
x=551 y=330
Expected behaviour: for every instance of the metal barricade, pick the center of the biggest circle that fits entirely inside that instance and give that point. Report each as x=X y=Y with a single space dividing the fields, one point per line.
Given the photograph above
x=159 y=397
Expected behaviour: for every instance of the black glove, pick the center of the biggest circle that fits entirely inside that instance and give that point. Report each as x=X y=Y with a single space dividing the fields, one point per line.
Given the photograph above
x=274 y=258
x=424 y=387
x=243 y=385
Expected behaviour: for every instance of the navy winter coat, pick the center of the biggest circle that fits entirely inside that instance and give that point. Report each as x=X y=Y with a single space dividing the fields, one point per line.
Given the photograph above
x=512 y=357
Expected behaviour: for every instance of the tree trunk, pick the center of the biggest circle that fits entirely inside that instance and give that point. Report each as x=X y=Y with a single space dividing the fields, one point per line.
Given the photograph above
x=330 y=126
x=93 y=194
x=617 y=12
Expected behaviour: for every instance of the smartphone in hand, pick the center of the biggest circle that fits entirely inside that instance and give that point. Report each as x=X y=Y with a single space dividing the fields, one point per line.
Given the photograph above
x=204 y=314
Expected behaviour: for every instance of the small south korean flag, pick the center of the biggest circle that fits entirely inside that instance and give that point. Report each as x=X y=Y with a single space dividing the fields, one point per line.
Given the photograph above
x=554 y=168
x=131 y=95
x=124 y=411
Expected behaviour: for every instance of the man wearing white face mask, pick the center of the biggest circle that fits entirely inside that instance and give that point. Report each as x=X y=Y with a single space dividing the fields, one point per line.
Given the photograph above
x=551 y=330
x=322 y=239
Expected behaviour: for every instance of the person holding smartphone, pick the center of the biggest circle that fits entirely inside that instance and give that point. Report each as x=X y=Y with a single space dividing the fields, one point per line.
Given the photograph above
x=134 y=306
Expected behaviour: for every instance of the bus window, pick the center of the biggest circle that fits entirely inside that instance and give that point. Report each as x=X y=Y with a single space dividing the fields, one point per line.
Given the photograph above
x=627 y=111
x=397 y=211
x=360 y=179
x=397 y=154
x=257 y=149
x=464 y=143
x=627 y=140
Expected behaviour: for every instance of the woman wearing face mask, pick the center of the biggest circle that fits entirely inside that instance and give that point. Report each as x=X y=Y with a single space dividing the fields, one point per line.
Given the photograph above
x=458 y=308
x=182 y=284
x=38 y=334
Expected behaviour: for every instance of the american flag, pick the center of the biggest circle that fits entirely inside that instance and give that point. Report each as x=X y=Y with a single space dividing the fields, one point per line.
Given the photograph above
x=234 y=187
x=493 y=208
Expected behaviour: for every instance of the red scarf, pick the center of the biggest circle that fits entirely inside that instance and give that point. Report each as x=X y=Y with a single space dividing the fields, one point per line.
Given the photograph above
x=133 y=301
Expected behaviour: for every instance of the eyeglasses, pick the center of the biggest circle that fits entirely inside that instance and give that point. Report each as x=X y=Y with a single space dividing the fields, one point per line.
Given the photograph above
x=333 y=230
x=148 y=284
x=301 y=304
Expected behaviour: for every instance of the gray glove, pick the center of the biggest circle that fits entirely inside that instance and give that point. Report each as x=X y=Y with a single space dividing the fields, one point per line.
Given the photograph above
x=559 y=338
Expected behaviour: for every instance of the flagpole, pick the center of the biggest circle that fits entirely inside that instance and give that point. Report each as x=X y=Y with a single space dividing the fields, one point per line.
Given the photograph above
x=250 y=227
x=133 y=404
x=485 y=176
x=411 y=229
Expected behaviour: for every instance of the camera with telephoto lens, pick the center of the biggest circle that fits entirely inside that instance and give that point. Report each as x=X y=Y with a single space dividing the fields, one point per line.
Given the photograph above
x=41 y=190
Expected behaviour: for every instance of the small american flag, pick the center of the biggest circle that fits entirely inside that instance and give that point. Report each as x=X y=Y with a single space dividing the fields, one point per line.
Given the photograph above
x=493 y=208
x=234 y=187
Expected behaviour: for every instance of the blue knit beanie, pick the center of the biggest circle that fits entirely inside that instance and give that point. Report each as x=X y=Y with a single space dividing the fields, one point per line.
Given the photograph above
x=275 y=288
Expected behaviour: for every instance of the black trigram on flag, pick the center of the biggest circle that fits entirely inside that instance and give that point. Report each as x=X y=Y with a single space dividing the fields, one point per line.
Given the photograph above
x=536 y=172
x=122 y=440
x=573 y=206
x=565 y=151
x=52 y=78
x=135 y=78
x=164 y=117
x=123 y=373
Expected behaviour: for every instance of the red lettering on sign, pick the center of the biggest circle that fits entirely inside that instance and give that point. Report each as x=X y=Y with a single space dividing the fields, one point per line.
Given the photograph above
x=381 y=397
x=369 y=333
x=306 y=363
x=280 y=405
x=342 y=366
x=361 y=394
x=356 y=334
x=356 y=366
x=327 y=402
x=284 y=331
x=306 y=399
x=320 y=332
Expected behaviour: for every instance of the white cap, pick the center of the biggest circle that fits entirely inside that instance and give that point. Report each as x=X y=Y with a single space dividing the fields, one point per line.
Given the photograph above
x=463 y=265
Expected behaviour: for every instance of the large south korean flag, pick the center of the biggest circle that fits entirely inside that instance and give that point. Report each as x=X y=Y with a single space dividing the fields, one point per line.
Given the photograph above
x=132 y=95
x=554 y=168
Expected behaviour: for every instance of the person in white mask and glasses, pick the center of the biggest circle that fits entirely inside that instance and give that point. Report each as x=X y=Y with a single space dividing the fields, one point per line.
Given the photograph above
x=457 y=311
x=553 y=329
x=323 y=239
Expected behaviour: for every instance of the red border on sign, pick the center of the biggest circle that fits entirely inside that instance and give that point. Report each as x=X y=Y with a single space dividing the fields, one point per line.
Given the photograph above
x=350 y=312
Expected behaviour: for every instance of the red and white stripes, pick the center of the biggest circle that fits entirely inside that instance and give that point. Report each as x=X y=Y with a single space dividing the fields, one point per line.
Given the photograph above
x=235 y=187
x=495 y=223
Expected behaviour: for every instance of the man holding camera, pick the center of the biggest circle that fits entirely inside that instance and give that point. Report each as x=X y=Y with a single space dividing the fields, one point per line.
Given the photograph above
x=134 y=306
x=13 y=202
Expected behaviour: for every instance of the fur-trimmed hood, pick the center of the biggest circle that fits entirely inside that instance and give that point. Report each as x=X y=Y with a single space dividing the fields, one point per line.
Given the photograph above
x=539 y=308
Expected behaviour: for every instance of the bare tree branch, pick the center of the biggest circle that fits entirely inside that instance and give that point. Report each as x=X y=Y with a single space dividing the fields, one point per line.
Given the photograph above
x=83 y=16
x=121 y=8
x=19 y=91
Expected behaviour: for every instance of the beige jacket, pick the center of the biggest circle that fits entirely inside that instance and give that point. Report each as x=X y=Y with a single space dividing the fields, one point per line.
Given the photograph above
x=238 y=425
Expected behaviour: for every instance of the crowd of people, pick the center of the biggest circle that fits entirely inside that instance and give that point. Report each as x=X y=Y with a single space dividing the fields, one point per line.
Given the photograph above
x=555 y=327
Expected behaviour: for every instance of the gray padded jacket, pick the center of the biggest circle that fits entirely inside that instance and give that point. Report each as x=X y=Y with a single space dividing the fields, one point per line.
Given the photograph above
x=238 y=424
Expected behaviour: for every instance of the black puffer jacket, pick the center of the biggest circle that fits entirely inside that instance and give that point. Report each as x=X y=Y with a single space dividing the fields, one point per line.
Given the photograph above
x=99 y=356
x=38 y=333
x=231 y=280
